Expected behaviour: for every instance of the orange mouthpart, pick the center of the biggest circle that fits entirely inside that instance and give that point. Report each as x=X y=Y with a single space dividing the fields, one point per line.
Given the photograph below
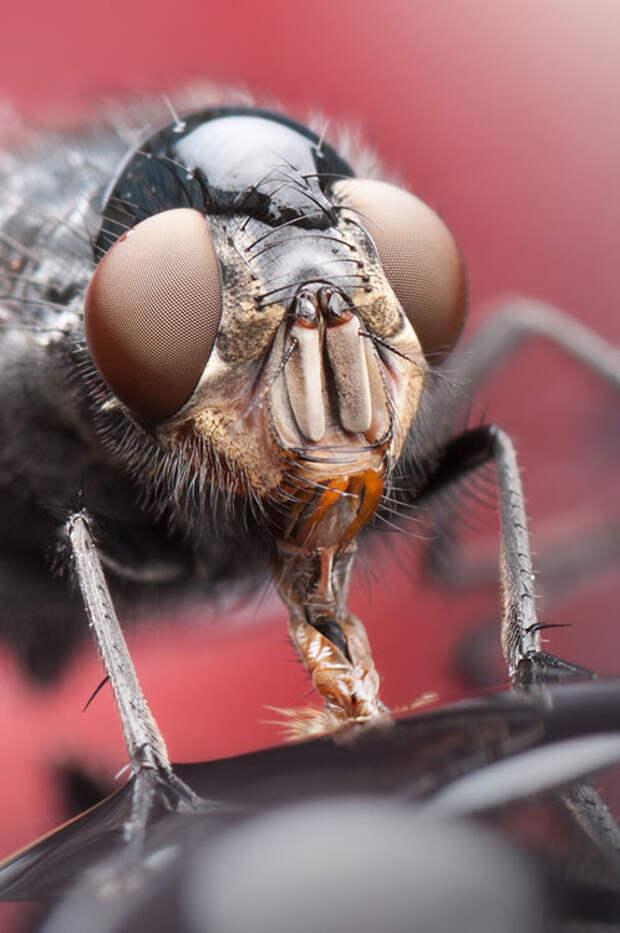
x=332 y=511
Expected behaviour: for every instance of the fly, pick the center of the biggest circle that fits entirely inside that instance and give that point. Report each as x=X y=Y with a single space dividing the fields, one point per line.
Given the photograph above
x=229 y=354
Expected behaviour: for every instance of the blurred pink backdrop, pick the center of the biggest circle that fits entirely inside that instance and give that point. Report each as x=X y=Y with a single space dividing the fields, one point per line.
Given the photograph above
x=504 y=117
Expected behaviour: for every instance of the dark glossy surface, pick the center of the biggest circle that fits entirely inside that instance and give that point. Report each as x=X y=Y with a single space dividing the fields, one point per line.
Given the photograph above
x=234 y=160
x=423 y=770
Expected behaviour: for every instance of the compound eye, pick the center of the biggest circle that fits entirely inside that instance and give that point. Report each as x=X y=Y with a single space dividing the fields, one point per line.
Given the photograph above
x=419 y=256
x=153 y=310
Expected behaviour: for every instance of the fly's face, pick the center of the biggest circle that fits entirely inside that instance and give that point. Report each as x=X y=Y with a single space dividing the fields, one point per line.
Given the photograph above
x=273 y=317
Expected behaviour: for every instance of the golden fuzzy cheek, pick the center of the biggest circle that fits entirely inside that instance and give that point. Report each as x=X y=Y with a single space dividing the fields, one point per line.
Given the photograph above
x=242 y=460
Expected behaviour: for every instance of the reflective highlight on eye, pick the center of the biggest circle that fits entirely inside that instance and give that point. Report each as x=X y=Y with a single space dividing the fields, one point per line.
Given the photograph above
x=420 y=257
x=152 y=312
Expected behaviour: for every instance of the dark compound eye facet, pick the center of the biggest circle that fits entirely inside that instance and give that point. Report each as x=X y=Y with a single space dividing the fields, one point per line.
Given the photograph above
x=420 y=257
x=153 y=310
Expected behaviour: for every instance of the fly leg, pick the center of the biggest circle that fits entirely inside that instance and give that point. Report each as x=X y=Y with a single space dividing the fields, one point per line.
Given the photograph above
x=568 y=566
x=522 y=319
x=520 y=628
x=529 y=666
x=515 y=322
x=156 y=786
x=503 y=334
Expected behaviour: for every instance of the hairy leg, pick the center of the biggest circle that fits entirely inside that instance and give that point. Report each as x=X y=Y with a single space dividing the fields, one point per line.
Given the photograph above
x=156 y=785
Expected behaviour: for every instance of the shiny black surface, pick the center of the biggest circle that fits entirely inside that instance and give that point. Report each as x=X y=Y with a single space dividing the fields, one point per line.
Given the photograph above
x=510 y=748
x=225 y=160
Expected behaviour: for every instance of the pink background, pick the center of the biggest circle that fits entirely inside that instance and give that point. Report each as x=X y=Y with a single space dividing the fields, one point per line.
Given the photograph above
x=504 y=117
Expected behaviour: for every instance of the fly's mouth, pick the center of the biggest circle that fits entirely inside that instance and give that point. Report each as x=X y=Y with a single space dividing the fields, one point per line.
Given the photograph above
x=331 y=419
x=336 y=410
x=327 y=514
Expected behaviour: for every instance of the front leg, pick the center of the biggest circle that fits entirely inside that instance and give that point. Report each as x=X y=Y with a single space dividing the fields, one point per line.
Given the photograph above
x=515 y=322
x=529 y=666
x=520 y=627
x=156 y=785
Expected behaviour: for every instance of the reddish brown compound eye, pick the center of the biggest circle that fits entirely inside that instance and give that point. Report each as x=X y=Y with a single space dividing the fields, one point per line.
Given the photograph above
x=152 y=312
x=419 y=256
